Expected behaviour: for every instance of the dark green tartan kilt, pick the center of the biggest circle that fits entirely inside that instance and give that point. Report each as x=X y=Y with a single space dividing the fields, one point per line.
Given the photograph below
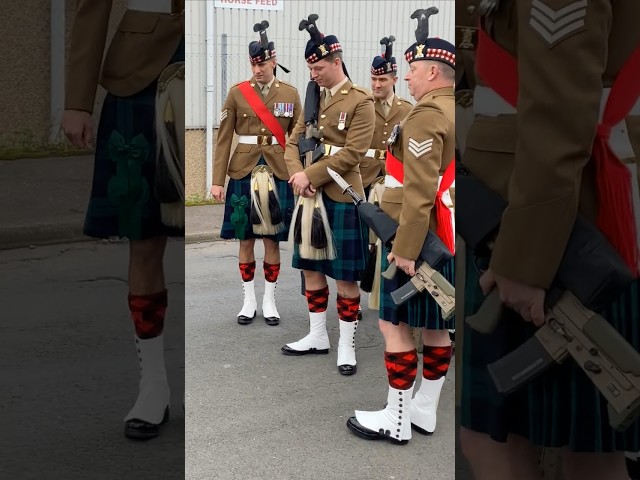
x=420 y=311
x=122 y=201
x=350 y=242
x=238 y=195
x=559 y=408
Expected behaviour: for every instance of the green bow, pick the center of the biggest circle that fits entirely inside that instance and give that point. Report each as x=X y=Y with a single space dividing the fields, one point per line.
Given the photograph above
x=239 y=216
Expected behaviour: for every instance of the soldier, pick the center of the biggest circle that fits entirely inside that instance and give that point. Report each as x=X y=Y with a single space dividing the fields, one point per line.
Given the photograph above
x=419 y=173
x=124 y=201
x=258 y=201
x=344 y=119
x=554 y=138
x=390 y=110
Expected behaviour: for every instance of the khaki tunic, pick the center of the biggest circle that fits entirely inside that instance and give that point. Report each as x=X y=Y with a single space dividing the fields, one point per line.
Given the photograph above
x=426 y=147
x=538 y=158
x=138 y=34
x=370 y=168
x=355 y=139
x=238 y=116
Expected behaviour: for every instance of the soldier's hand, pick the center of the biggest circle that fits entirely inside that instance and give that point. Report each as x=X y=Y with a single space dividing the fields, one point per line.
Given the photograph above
x=299 y=183
x=309 y=192
x=525 y=300
x=78 y=128
x=404 y=264
x=217 y=192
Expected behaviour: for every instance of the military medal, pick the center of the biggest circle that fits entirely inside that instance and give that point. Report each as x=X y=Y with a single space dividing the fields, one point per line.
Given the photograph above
x=394 y=135
x=291 y=110
x=342 y=120
x=276 y=109
x=286 y=109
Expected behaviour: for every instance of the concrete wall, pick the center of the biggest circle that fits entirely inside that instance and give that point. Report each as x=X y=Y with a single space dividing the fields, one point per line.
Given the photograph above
x=26 y=74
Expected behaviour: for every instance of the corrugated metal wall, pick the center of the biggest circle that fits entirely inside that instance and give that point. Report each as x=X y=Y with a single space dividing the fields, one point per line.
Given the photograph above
x=359 y=25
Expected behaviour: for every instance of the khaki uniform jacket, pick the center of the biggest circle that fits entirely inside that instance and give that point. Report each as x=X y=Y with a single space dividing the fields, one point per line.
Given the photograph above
x=370 y=168
x=141 y=48
x=238 y=116
x=357 y=103
x=426 y=147
x=539 y=157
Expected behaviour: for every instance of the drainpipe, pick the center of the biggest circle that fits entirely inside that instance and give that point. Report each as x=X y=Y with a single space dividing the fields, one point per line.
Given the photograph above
x=209 y=90
x=57 y=68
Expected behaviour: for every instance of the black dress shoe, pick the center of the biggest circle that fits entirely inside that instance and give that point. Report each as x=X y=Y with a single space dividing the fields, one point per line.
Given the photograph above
x=272 y=321
x=347 y=369
x=142 y=430
x=244 y=320
x=297 y=353
x=368 y=434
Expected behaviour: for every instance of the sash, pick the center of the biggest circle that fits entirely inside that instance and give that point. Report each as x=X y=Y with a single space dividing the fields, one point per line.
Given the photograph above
x=395 y=168
x=258 y=106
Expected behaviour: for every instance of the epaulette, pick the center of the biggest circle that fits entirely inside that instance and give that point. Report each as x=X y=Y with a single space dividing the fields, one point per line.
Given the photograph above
x=403 y=100
x=361 y=89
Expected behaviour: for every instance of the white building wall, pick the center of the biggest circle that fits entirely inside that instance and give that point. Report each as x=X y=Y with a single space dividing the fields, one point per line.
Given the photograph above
x=359 y=25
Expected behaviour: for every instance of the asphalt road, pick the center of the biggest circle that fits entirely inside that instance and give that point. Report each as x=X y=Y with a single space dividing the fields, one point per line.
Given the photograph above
x=68 y=366
x=253 y=413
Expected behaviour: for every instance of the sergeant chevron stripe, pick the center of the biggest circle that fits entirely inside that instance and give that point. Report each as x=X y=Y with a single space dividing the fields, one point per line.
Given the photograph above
x=553 y=25
x=420 y=148
x=223 y=115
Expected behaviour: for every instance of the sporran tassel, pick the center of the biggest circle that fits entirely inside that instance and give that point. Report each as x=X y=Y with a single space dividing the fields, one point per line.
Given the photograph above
x=274 y=206
x=318 y=237
x=256 y=213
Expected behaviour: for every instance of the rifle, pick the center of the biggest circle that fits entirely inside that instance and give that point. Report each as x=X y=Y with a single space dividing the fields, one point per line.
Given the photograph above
x=590 y=276
x=433 y=255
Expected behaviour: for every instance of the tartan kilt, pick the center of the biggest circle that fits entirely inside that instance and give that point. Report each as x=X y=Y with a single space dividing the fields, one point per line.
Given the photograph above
x=242 y=191
x=420 y=311
x=350 y=241
x=559 y=408
x=122 y=201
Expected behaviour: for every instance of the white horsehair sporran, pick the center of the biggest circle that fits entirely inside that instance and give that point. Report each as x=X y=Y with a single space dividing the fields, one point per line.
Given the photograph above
x=266 y=211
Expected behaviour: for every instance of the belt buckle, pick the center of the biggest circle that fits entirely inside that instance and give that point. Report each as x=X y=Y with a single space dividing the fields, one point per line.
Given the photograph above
x=264 y=140
x=382 y=154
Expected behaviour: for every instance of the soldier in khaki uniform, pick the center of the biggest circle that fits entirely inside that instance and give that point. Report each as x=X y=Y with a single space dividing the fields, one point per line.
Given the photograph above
x=547 y=70
x=390 y=110
x=260 y=151
x=345 y=114
x=150 y=37
x=420 y=158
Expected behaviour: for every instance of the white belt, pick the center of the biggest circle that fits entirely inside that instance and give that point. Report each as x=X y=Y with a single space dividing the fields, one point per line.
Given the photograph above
x=331 y=149
x=392 y=182
x=373 y=153
x=156 y=6
x=488 y=103
x=256 y=139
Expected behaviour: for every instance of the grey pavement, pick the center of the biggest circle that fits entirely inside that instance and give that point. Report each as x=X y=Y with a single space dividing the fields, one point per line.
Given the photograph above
x=253 y=413
x=69 y=367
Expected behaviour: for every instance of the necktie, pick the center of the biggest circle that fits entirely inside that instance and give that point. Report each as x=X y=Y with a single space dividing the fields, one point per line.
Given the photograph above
x=265 y=90
x=385 y=108
x=327 y=97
